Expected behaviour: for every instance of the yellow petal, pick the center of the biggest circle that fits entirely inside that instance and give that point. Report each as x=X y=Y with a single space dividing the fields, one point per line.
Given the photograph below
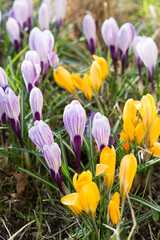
x=154 y=131
x=129 y=128
x=116 y=198
x=108 y=157
x=77 y=81
x=126 y=144
x=73 y=202
x=139 y=133
x=83 y=179
x=101 y=169
x=89 y=197
x=130 y=110
x=103 y=64
x=114 y=212
x=63 y=78
x=96 y=75
x=87 y=87
x=128 y=168
x=155 y=149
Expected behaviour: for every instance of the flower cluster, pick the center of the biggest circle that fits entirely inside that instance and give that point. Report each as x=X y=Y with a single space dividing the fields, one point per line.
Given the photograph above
x=98 y=73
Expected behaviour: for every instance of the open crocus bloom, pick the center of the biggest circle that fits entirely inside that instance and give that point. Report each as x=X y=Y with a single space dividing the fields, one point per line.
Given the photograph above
x=114 y=208
x=81 y=180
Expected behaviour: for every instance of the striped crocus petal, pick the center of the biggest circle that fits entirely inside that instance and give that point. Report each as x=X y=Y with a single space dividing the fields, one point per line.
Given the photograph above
x=89 y=28
x=33 y=57
x=13 y=31
x=44 y=15
x=52 y=155
x=41 y=134
x=3 y=77
x=21 y=12
x=101 y=130
x=36 y=103
x=60 y=11
x=2 y=110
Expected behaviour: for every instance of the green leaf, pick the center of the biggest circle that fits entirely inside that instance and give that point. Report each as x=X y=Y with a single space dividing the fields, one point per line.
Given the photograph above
x=145 y=202
x=147 y=164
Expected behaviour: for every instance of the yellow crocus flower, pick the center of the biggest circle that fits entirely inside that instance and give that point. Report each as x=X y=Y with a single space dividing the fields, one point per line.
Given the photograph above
x=63 y=78
x=126 y=144
x=87 y=87
x=77 y=81
x=155 y=149
x=107 y=165
x=81 y=180
x=103 y=64
x=114 y=208
x=128 y=168
x=96 y=75
x=73 y=202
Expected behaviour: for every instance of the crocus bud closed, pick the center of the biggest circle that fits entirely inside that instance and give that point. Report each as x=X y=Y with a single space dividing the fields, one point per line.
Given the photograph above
x=74 y=118
x=41 y=134
x=44 y=15
x=30 y=74
x=114 y=208
x=36 y=103
x=33 y=57
x=3 y=77
x=21 y=12
x=103 y=65
x=128 y=168
x=109 y=32
x=125 y=39
x=12 y=110
x=52 y=155
x=2 y=110
x=96 y=75
x=148 y=53
x=89 y=28
x=60 y=11
x=101 y=130
x=13 y=31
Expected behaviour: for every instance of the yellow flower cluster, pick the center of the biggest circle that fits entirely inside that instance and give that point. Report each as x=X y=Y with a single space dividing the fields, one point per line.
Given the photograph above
x=145 y=125
x=87 y=196
x=98 y=73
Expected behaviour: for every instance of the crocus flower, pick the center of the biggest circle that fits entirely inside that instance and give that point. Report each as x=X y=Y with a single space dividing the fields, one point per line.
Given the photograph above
x=53 y=60
x=63 y=78
x=148 y=53
x=36 y=103
x=42 y=43
x=107 y=165
x=81 y=180
x=89 y=28
x=33 y=57
x=41 y=134
x=101 y=130
x=12 y=110
x=44 y=15
x=77 y=81
x=52 y=155
x=103 y=65
x=125 y=39
x=128 y=168
x=96 y=75
x=60 y=11
x=114 y=208
x=30 y=74
x=13 y=32
x=139 y=62
x=3 y=78
x=21 y=12
x=73 y=201
x=87 y=87
x=74 y=118
x=3 y=117
x=110 y=32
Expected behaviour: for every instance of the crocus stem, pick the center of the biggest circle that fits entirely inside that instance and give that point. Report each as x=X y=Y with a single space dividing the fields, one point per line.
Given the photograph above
x=94 y=223
x=116 y=231
x=133 y=217
x=109 y=197
x=98 y=102
x=122 y=206
x=27 y=160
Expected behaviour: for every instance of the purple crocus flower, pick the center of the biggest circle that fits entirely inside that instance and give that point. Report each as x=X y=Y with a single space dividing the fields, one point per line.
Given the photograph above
x=101 y=130
x=33 y=57
x=53 y=60
x=21 y=12
x=30 y=74
x=139 y=62
x=60 y=11
x=125 y=39
x=44 y=15
x=3 y=78
x=3 y=117
x=12 y=110
x=110 y=32
x=36 y=103
x=13 y=32
x=52 y=155
x=89 y=28
x=74 y=118
x=148 y=53
x=42 y=43
x=41 y=134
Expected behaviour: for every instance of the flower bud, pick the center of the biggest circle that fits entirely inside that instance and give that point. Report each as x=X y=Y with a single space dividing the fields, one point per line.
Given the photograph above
x=52 y=155
x=36 y=103
x=125 y=39
x=3 y=118
x=33 y=57
x=114 y=208
x=148 y=53
x=101 y=130
x=21 y=12
x=60 y=11
x=3 y=78
x=44 y=15
x=103 y=65
x=96 y=75
x=74 y=118
x=87 y=87
x=13 y=31
x=110 y=32
x=30 y=74
x=41 y=134
x=89 y=28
